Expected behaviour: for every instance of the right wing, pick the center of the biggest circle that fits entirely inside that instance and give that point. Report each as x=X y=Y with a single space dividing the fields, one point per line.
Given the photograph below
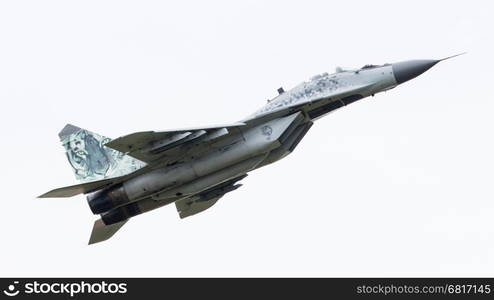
x=149 y=146
x=187 y=207
x=200 y=202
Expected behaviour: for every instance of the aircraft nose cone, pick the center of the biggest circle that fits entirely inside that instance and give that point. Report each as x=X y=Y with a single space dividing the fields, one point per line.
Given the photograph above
x=406 y=70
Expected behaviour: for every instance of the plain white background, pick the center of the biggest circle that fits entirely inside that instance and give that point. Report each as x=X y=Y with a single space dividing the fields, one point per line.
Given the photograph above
x=395 y=185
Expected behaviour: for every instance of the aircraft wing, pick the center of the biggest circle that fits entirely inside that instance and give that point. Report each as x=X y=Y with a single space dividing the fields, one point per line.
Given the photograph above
x=187 y=207
x=148 y=146
x=198 y=203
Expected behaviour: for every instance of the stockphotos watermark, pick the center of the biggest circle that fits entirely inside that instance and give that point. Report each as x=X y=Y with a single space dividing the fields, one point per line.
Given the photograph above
x=68 y=288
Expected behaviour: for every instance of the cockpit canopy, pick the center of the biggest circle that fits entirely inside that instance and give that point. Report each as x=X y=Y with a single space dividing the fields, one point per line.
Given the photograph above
x=369 y=66
x=366 y=67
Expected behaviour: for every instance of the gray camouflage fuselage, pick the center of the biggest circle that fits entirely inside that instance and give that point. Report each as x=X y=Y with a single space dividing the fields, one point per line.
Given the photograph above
x=285 y=120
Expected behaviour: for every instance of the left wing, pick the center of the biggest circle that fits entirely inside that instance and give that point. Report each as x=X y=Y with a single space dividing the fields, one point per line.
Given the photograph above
x=200 y=202
x=148 y=146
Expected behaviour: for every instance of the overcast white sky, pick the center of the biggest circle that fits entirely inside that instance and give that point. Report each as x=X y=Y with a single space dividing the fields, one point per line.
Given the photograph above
x=395 y=185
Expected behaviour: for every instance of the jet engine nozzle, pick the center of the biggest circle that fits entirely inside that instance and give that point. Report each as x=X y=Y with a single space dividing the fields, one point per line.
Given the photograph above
x=106 y=199
x=121 y=213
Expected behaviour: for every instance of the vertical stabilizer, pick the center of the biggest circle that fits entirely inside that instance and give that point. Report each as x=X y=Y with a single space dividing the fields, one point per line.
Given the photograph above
x=90 y=159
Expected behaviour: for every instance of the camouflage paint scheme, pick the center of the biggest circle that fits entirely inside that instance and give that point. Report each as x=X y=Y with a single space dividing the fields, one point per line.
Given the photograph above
x=91 y=160
x=318 y=86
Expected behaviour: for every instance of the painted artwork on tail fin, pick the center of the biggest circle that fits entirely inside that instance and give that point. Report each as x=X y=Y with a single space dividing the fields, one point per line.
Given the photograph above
x=90 y=159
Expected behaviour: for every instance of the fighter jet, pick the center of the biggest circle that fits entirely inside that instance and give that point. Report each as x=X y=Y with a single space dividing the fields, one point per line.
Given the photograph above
x=195 y=167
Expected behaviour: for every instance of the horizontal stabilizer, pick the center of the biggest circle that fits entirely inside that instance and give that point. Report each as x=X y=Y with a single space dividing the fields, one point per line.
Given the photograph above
x=102 y=232
x=83 y=188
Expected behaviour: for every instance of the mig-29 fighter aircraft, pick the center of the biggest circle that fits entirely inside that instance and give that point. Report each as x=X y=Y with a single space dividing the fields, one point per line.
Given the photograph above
x=195 y=167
